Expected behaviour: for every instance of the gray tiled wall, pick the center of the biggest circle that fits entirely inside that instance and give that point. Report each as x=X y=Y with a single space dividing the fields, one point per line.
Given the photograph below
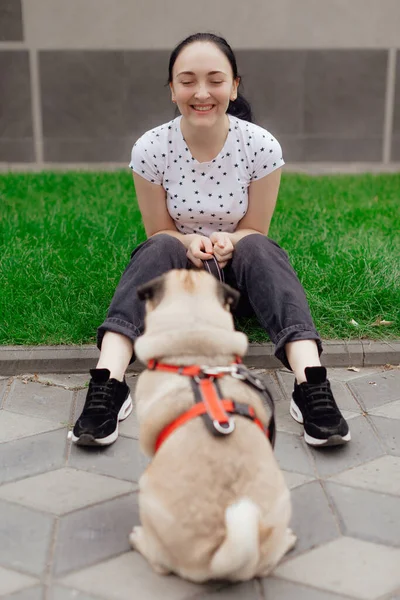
x=66 y=105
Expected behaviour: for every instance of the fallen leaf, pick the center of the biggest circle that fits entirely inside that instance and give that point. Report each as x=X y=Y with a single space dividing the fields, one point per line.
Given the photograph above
x=355 y=369
x=372 y=382
x=380 y=322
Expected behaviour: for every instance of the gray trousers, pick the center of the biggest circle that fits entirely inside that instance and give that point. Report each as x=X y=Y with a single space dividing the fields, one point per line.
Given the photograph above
x=260 y=270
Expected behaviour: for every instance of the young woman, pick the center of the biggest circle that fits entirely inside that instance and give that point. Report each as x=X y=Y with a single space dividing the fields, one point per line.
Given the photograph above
x=207 y=183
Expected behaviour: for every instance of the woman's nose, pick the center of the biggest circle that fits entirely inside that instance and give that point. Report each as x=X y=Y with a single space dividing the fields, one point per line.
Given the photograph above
x=202 y=92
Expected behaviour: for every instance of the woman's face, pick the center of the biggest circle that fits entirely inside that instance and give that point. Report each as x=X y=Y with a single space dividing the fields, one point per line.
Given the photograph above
x=203 y=84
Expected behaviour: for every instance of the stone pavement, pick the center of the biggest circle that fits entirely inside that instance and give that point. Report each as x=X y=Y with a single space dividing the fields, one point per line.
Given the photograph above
x=65 y=512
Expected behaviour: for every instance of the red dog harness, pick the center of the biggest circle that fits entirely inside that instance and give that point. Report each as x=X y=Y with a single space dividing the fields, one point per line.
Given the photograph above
x=214 y=409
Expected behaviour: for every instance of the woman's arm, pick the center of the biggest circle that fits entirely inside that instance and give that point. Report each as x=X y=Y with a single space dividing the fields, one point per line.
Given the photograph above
x=153 y=207
x=263 y=194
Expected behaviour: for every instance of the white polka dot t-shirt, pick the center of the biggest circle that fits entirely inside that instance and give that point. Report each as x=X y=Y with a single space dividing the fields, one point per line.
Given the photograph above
x=208 y=196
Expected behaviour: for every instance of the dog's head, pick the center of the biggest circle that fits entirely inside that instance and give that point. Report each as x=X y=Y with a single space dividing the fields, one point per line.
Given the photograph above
x=188 y=312
x=187 y=282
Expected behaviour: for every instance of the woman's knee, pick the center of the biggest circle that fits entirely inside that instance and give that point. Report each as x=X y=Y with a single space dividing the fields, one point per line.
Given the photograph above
x=255 y=245
x=161 y=247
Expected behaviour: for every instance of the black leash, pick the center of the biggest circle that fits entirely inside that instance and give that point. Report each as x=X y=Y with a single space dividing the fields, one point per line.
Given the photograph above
x=213 y=268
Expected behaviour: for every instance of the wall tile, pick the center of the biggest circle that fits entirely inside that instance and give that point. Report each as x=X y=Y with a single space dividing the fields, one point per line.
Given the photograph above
x=274 y=84
x=96 y=104
x=10 y=21
x=16 y=137
x=345 y=93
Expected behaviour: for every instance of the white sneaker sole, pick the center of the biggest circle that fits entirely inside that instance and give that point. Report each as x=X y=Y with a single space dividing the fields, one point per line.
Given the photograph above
x=333 y=440
x=88 y=440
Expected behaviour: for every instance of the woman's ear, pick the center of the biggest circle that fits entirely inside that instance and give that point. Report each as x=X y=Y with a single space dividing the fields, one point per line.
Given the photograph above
x=173 y=98
x=235 y=86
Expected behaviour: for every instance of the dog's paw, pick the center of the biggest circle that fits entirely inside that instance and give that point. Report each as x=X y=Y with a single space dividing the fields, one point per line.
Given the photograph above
x=134 y=537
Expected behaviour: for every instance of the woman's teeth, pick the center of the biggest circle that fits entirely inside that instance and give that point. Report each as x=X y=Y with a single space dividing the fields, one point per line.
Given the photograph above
x=203 y=108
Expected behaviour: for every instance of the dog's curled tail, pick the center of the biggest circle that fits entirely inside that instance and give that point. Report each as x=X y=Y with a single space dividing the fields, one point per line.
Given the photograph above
x=239 y=553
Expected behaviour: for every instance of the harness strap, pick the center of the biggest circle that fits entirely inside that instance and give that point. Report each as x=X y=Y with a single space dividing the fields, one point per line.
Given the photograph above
x=198 y=409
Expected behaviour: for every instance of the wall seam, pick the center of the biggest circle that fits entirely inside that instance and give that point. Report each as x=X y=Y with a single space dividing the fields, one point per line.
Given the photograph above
x=389 y=106
x=37 y=121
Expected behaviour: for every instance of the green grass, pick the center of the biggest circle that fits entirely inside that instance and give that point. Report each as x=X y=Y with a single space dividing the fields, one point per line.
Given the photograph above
x=65 y=239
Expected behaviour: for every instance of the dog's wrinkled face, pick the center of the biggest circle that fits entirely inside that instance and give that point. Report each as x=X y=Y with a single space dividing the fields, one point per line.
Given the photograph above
x=180 y=282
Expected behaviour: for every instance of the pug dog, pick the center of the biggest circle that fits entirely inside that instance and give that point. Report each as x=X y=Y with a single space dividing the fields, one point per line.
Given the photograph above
x=211 y=507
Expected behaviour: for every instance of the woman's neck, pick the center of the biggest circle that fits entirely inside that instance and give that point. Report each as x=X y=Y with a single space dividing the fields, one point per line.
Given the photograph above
x=205 y=141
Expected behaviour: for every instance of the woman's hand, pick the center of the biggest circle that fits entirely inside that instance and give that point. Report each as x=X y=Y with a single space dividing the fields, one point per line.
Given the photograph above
x=201 y=248
x=222 y=247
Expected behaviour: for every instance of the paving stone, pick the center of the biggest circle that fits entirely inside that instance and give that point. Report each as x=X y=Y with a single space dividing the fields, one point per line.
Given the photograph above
x=122 y=459
x=37 y=400
x=294 y=480
x=240 y=591
x=14 y=426
x=95 y=533
x=134 y=575
x=59 y=592
x=271 y=382
x=11 y=581
x=367 y=515
x=344 y=374
x=377 y=390
x=25 y=537
x=292 y=454
x=64 y=490
x=389 y=433
x=342 y=395
x=390 y=411
x=130 y=426
x=284 y=421
x=32 y=455
x=363 y=447
x=380 y=475
x=3 y=387
x=346 y=566
x=381 y=352
x=71 y=382
x=310 y=506
x=33 y=593
x=286 y=381
x=275 y=589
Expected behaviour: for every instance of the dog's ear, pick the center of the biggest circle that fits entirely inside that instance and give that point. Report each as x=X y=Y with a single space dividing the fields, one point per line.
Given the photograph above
x=229 y=296
x=152 y=290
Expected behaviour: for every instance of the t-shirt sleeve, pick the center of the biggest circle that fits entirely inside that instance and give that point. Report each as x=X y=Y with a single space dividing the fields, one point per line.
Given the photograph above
x=267 y=154
x=146 y=159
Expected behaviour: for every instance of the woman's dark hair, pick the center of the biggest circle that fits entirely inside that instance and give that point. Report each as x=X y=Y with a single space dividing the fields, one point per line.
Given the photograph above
x=238 y=108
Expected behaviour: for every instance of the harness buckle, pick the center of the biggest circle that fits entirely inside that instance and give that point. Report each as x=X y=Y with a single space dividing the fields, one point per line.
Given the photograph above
x=224 y=430
x=215 y=371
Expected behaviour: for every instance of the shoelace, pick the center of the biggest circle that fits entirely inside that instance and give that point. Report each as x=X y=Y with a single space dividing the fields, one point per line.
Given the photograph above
x=99 y=394
x=320 y=401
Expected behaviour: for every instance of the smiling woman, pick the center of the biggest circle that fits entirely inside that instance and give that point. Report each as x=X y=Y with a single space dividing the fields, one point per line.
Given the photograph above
x=207 y=184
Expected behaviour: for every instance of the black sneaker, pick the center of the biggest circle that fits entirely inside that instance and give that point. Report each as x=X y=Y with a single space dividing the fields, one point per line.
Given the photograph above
x=107 y=402
x=313 y=405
